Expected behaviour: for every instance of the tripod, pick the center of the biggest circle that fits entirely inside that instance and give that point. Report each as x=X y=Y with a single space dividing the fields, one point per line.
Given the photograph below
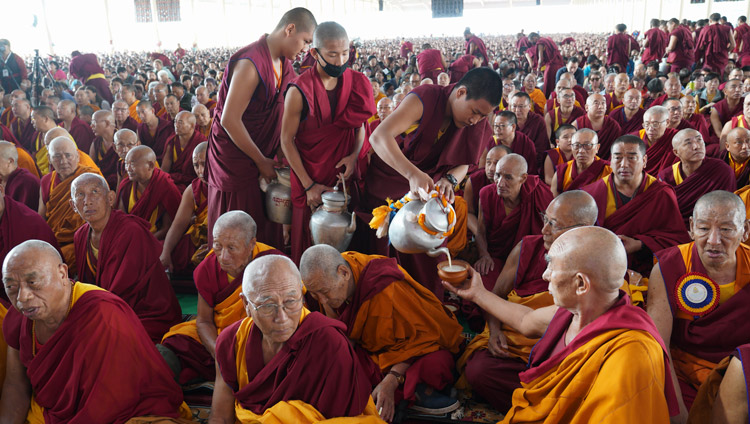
x=39 y=73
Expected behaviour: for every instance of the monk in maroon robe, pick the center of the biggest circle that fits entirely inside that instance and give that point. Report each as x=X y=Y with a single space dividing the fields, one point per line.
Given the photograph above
x=566 y=113
x=737 y=153
x=655 y=43
x=178 y=156
x=117 y=252
x=20 y=184
x=596 y=119
x=585 y=168
x=547 y=56
x=658 y=140
x=103 y=147
x=245 y=133
x=80 y=131
x=629 y=115
x=696 y=121
x=125 y=140
x=560 y=154
x=636 y=197
x=323 y=129
x=695 y=174
x=430 y=62
x=480 y=179
x=681 y=47
x=75 y=369
x=506 y=133
x=531 y=124
x=475 y=47
x=461 y=66
x=86 y=68
x=714 y=44
x=22 y=128
x=122 y=117
x=728 y=107
x=619 y=47
x=152 y=131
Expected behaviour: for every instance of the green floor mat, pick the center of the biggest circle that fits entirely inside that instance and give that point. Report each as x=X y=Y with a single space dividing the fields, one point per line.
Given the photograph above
x=188 y=303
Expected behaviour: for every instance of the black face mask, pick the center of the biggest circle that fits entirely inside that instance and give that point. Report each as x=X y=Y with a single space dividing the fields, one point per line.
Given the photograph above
x=332 y=70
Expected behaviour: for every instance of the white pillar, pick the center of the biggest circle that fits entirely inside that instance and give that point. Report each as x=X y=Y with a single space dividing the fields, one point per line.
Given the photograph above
x=155 y=20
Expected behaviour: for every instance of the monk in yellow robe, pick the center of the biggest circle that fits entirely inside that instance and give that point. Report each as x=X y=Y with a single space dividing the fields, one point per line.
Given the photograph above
x=54 y=195
x=42 y=156
x=403 y=328
x=585 y=168
x=284 y=364
x=582 y=369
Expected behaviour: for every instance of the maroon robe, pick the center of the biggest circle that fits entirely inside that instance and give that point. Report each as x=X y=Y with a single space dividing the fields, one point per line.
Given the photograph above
x=660 y=154
x=607 y=134
x=324 y=137
x=182 y=171
x=683 y=56
x=479 y=180
x=160 y=193
x=7 y=117
x=699 y=123
x=84 y=67
x=460 y=67
x=657 y=45
x=743 y=177
x=713 y=47
x=82 y=134
x=651 y=216
x=317 y=365
x=627 y=126
x=107 y=162
x=536 y=130
x=25 y=134
x=480 y=50
x=406 y=48
x=129 y=123
x=551 y=60
x=523 y=146
x=619 y=47
x=158 y=139
x=89 y=352
x=430 y=64
x=612 y=101
x=712 y=175
x=23 y=186
x=232 y=176
x=7 y=135
x=725 y=113
x=579 y=180
x=128 y=266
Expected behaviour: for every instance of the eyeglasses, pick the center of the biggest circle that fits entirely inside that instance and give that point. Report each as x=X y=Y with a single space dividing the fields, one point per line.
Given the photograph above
x=553 y=224
x=656 y=124
x=577 y=146
x=271 y=309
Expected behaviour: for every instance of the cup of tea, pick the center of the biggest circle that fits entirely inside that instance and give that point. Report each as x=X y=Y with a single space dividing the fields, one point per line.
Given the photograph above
x=455 y=273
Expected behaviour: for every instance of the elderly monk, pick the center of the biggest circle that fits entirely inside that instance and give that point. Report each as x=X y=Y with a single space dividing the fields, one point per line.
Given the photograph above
x=531 y=124
x=129 y=96
x=739 y=120
x=727 y=108
x=672 y=89
x=695 y=174
x=508 y=211
x=178 y=152
x=153 y=131
x=677 y=121
x=204 y=98
x=160 y=95
x=658 y=139
x=20 y=184
x=284 y=363
x=76 y=127
x=536 y=95
x=246 y=129
x=701 y=331
x=560 y=154
x=628 y=201
x=190 y=220
x=122 y=117
x=692 y=117
x=629 y=115
x=591 y=335
x=68 y=346
x=506 y=133
x=54 y=195
x=737 y=153
x=566 y=113
x=7 y=116
x=83 y=158
x=616 y=97
x=495 y=357
x=323 y=127
x=202 y=119
x=403 y=328
x=554 y=100
x=22 y=128
x=117 y=252
x=385 y=107
x=44 y=120
x=480 y=179
x=125 y=139
x=190 y=347
x=102 y=148
x=148 y=192
x=596 y=119
x=585 y=167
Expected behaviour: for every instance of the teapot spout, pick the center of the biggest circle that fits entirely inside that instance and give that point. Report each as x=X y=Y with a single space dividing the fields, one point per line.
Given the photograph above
x=437 y=252
x=353 y=224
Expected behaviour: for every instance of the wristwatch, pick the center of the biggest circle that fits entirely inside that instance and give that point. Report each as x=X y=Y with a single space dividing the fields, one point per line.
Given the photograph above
x=399 y=377
x=451 y=179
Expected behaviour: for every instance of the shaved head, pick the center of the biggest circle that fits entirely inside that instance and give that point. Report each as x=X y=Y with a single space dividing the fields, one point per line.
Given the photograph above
x=36 y=249
x=721 y=199
x=144 y=152
x=656 y=113
x=321 y=260
x=89 y=178
x=8 y=150
x=303 y=20
x=239 y=221
x=61 y=144
x=187 y=116
x=200 y=148
x=55 y=133
x=262 y=273
x=105 y=115
x=515 y=163
x=328 y=31
x=578 y=206
x=682 y=135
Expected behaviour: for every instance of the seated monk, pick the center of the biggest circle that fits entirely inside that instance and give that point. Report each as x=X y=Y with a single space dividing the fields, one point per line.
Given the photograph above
x=77 y=353
x=22 y=128
x=531 y=124
x=122 y=116
x=560 y=154
x=585 y=168
x=616 y=97
x=148 y=192
x=54 y=195
x=677 y=121
x=125 y=140
x=202 y=120
x=628 y=200
x=399 y=324
x=20 y=184
x=727 y=108
x=629 y=115
x=153 y=131
x=695 y=174
x=722 y=398
x=582 y=369
x=737 y=120
x=672 y=87
x=506 y=134
x=736 y=154
x=701 y=331
x=494 y=358
x=79 y=130
x=596 y=119
x=554 y=99
x=179 y=150
x=284 y=363
x=535 y=94
x=566 y=113
x=102 y=148
x=117 y=252
x=43 y=155
x=658 y=140
x=480 y=179
x=190 y=221
x=190 y=347
x=508 y=211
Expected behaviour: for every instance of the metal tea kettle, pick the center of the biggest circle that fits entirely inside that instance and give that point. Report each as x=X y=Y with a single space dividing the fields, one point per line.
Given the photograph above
x=421 y=227
x=332 y=224
x=279 y=198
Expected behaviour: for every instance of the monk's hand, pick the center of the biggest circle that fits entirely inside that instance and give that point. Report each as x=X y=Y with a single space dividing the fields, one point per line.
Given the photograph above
x=419 y=180
x=314 y=198
x=472 y=288
x=383 y=396
x=349 y=163
x=497 y=344
x=631 y=245
x=166 y=261
x=267 y=168
x=445 y=189
x=484 y=264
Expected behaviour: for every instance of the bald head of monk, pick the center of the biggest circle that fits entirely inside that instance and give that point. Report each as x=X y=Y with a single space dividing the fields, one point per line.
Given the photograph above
x=43 y=119
x=567 y=98
x=628 y=160
x=17 y=94
x=585 y=146
x=510 y=175
x=473 y=98
x=199 y=160
x=443 y=79
x=8 y=159
x=327 y=276
x=36 y=282
x=585 y=269
x=146 y=111
x=738 y=144
x=718 y=226
x=125 y=140
x=160 y=92
x=688 y=106
x=632 y=100
x=120 y=110
x=66 y=110
x=622 y=83
x=520 y=104
x=571 y=209
x=92 y=199
x=233 y=241
x=562 y=84
x=103 y=124
x=184 y=124
x=733 y=89
x=674 y=109
x=330 y=48
x=529 y=82
x=140 y=163
x=54 y=133
x=570 y=77
x=596 y=107
x=294 y=30
x=655 y=122
x=172 y=105
x=63 y=155
x=688 y=145
x=385 y=108
x=202 y=95
x=493 y=157
x=202 y=115
x=272 y=295
x=21 y=108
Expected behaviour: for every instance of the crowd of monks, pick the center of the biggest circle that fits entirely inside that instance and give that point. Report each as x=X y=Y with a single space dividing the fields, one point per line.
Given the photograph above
x=601 y=193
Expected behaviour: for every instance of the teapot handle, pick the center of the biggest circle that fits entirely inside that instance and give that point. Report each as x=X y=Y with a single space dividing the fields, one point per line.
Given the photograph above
x=343 y=187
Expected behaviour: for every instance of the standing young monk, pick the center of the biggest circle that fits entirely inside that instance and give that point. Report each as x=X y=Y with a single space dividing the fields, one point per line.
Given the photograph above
x=246 y=126
x=322 y=130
